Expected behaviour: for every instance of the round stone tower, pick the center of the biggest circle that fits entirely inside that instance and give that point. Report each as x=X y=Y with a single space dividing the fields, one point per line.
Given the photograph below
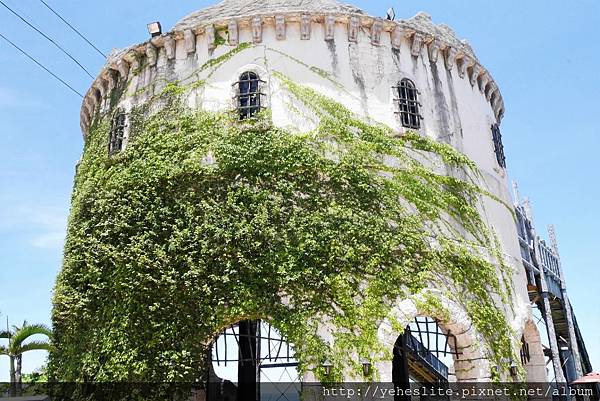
x=237 y=168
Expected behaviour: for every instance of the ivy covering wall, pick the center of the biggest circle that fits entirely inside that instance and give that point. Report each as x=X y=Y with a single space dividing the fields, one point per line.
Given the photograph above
x=205 y=220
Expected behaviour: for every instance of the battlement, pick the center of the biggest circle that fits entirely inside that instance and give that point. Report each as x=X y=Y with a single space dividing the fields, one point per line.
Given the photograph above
x=435 y=43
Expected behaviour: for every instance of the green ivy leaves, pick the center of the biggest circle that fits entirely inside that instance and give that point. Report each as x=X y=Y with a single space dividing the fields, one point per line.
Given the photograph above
x=204 y=221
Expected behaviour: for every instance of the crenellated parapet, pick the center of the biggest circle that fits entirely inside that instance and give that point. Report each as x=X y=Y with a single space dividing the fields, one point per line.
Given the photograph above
x=424 y=38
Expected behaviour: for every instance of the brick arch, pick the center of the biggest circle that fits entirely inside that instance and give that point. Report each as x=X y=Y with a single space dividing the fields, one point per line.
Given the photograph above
x=535 y=366
x=471 y=365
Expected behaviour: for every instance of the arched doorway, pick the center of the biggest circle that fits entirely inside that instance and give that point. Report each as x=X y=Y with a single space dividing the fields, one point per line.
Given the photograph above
x=250 y=360
x=423 y=354
x=466 y=357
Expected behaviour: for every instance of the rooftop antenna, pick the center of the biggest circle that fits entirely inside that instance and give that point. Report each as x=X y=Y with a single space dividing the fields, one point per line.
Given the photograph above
x=391 y=14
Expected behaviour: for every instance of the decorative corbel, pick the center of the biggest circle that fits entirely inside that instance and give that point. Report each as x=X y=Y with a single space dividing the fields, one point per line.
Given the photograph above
x=233 y=33
x=491 y=88
x=397 y=38
x=462 y=63
x=101 y=86
x=483 y=81
x=112 y=76
x=305 y=27
x=353 y=29
x=329 y=27
x=376 y=32
x=85 y=119
x=189 y=38
x=498 y=106
x=88 y=104
x=170 y=47
x=210 y=37
x=135 y=62
x=151 y=54
x=500 y=112
x=434 y=50
x=495 y=99
x=450 y=57
x=475 y=71
x=257 y=29
x=123 y=68
x=96 y=96
x=280 y=27
x=417 y=43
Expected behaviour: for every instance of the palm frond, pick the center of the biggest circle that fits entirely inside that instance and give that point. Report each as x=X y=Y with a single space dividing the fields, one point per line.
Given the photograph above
x=3 y=350
x=17 y=328
x=29 y=330
x=34 y=346
x=5 y=334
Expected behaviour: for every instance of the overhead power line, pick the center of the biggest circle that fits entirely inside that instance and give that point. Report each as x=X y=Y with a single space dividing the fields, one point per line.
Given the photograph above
x=40 y=64
x=73 y=28
x=47 y=37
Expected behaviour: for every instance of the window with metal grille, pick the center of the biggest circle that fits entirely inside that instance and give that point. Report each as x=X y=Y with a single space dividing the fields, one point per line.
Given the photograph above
x=408 y=104
x=117 y=133
x=498 y=147
x=249 y=95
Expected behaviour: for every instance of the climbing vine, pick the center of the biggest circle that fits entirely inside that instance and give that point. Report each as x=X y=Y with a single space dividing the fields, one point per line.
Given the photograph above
x=204 y=221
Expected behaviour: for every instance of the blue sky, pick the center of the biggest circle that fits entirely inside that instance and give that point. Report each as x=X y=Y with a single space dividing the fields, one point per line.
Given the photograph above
x=543 y=55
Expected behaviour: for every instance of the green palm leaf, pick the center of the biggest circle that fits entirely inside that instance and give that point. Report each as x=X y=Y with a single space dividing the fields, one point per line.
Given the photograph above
x=35 y=346
x=27 y=331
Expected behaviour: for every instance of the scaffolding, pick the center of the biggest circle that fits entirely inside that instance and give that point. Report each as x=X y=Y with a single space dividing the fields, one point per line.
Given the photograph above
x=547 y=290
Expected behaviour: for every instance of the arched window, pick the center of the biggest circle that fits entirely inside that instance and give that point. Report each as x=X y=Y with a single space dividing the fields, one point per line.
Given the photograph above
x=249 y=95
x=117 y=133
x=498 y=147
x=408 y=104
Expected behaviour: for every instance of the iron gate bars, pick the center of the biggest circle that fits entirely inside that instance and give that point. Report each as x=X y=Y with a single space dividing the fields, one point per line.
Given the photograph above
x=265 y=347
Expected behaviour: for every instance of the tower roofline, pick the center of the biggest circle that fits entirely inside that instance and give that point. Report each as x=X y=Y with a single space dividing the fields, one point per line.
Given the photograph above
x=436 y=39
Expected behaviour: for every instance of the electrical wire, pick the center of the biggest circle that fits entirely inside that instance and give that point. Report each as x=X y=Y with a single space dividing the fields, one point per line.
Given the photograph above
x=47 y=37
x=40 y=64
x=73 y=28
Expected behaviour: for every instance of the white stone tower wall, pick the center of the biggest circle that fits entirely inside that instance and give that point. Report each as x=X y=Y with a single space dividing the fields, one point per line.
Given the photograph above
x=363 y=60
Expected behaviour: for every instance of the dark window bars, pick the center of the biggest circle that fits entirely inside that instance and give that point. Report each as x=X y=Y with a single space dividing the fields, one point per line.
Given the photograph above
x=408 y=104
x=498 y=147
x=117 y=133
x=249 y=95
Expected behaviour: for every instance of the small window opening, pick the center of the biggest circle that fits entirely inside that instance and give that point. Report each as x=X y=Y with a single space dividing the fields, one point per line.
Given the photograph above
x=524 y=353
x=249 y=95
x=117 y=133
x=498 y=147
x=408 y=104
